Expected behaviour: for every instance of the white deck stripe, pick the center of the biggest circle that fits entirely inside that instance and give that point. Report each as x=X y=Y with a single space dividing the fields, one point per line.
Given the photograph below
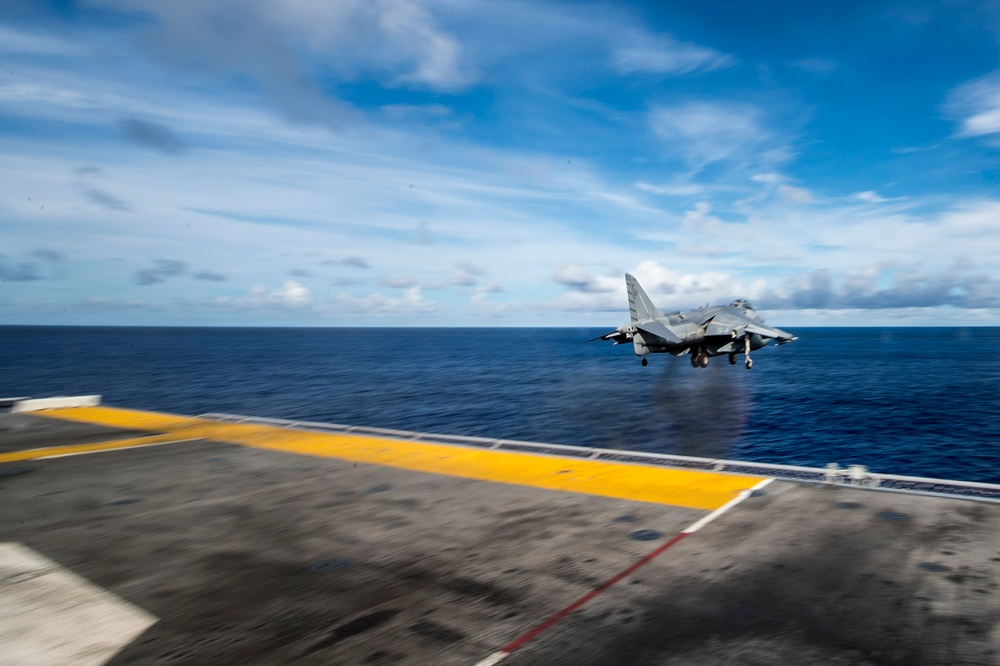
x=123 y=448
x=51 y=616
x=725 y=507
x=494 y=658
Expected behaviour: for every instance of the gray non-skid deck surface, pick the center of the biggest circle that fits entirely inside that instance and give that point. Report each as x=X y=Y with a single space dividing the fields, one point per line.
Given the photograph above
x=806 y=574
x=220 y=543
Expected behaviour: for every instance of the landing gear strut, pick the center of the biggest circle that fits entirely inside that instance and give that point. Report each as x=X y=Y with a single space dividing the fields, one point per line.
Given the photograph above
x=747 y=352
x=699 y=359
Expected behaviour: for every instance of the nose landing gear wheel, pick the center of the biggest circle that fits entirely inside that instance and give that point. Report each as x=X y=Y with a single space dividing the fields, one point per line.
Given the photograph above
x=749 y=363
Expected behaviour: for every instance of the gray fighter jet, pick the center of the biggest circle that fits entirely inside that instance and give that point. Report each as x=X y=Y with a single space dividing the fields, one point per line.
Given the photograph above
x=710 y=331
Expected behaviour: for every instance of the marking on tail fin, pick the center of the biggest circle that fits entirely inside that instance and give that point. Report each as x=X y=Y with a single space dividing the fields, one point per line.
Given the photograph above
x=639 y=305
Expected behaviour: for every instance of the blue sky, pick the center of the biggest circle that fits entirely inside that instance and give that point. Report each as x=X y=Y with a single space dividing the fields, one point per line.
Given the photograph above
x=468 y=162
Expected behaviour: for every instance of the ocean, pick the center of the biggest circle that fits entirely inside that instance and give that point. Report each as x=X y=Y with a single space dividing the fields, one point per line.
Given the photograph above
x=916 y=401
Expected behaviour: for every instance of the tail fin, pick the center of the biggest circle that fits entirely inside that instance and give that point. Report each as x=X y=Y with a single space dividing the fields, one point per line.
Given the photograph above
x=639 y=305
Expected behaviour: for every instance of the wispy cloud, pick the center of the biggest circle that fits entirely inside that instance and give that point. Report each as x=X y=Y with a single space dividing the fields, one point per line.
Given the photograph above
x=662 y=54
x=159 y=272
x=976 y=105
x=153 y=135
x=467 y=275
x=397 y=282
x=291 y=295
x=106 y=200
x=209 y=276
x=887 y=287
x=577 y=278
x=870 y=196
x=280 y=46
x=436 y=56
x=40 y=264
x=707 y=132
x=355 y=262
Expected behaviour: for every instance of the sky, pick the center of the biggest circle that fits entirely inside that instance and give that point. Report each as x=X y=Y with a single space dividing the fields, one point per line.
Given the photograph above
x=484 y=163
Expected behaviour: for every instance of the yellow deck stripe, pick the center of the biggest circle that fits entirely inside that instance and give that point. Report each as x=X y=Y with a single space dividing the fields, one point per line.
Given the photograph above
x=73 y=449
x=688 y=488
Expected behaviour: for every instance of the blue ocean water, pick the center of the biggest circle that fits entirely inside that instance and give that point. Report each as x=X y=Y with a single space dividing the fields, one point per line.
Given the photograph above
x=919 y=401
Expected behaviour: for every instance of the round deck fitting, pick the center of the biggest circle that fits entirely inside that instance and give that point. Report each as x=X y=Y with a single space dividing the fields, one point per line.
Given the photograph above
x=645 y=535
x=934 y=567
x=334 y=564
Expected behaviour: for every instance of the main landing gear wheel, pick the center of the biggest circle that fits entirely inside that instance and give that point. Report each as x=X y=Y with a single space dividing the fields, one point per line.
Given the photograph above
x=704 y=361
x=695 y=360
x=645 y=362
x=732 y=359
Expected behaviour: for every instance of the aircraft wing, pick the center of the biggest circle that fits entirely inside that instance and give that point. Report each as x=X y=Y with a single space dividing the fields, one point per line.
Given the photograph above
x=617 y=336
x=781 y=336
x=727 y=322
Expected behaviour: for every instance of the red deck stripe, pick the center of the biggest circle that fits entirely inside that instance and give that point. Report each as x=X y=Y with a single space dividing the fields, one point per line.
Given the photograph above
x=559 y=615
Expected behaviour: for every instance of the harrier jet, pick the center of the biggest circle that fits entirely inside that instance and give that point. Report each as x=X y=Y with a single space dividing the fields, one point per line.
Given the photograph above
x=710 y=331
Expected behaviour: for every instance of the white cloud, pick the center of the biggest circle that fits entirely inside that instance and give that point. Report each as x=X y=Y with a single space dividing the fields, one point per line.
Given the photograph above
x=707 y=132
x=290 y=296
x=870 y=196
x=795 y=194
x=768 y=178
x=677 y=189
x=282 y=44
x=578 y=278
x=397 y=282
x=437 y=56
x=21 y=42
x=412 y=302
x=662 y=54
x=466 y=275
x=977 y=105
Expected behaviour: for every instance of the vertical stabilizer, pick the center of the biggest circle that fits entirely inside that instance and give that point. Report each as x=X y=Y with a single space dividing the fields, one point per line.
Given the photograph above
x=639 y=305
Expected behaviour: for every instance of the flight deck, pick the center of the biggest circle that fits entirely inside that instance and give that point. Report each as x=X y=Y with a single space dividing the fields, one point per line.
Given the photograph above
x=141 y=537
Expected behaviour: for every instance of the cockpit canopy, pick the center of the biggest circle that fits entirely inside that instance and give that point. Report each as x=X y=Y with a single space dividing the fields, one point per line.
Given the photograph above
x=742 y=304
